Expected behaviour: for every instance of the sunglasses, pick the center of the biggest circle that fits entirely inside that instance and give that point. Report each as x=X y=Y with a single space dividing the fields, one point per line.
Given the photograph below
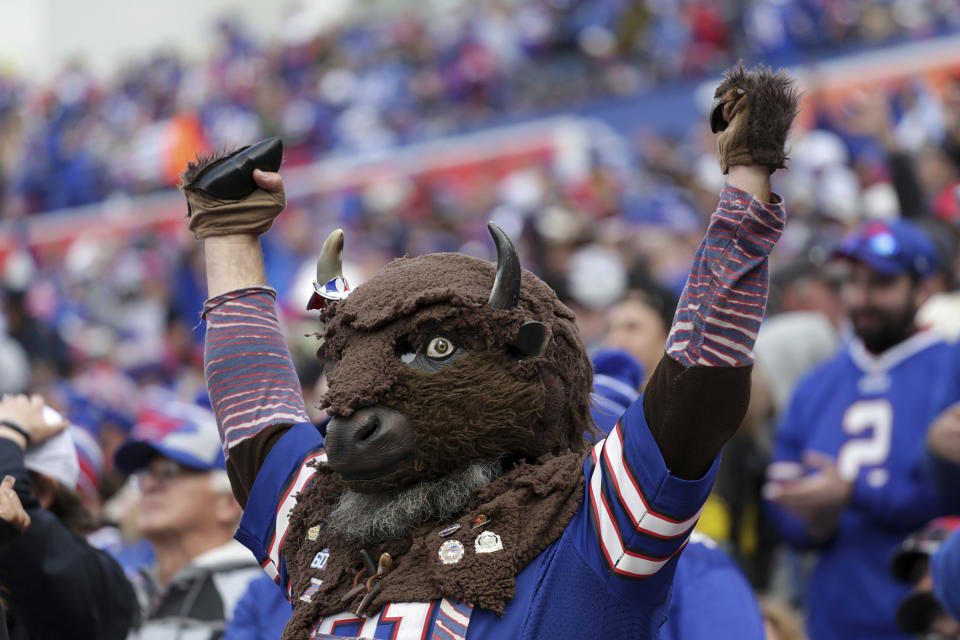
x=162 y=471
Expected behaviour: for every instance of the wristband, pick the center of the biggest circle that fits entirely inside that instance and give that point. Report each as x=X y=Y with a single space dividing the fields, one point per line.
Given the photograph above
x=16 y=427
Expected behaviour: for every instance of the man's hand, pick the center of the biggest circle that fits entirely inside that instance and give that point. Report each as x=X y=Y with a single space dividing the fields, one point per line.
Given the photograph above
x=268 y=180
x=235 y=261
x=753 y=112
x=28 y=414
x=818 y=499
x=10 y=508
x=230 y=228
x=943 y=437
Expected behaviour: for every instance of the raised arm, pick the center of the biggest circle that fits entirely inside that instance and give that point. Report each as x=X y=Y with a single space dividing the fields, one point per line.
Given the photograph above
x=253 y=386
x=698 y=395
x=648 y=480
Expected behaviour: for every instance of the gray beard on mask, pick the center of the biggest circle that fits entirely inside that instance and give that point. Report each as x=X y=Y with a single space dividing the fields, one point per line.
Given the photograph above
x=368 y=518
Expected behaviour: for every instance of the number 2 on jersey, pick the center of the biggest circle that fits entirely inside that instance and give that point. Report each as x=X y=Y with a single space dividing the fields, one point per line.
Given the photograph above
x=870 y=425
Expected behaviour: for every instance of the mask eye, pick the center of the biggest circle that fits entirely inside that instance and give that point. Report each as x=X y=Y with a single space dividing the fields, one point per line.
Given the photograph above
x=440 y=348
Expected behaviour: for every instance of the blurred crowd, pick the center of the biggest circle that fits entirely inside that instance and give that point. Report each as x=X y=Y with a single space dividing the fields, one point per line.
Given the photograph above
x=382 y=79
x=110 y=335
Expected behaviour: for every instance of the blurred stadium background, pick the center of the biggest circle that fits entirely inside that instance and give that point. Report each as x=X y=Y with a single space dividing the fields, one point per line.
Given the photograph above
x=578 y=125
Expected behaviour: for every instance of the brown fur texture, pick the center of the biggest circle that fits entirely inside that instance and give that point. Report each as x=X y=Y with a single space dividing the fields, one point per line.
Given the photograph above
x=202 y=163
x=528 y=507
x=530 y=415
x=767 y=104
x=485 y=405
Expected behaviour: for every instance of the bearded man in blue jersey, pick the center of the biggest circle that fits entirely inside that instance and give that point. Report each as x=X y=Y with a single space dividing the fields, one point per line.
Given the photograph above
x=453 y=494
x=848 y=476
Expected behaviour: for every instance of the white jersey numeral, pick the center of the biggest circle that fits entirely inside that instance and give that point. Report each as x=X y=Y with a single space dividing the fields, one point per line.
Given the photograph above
x=870 y=423
x=404 y=621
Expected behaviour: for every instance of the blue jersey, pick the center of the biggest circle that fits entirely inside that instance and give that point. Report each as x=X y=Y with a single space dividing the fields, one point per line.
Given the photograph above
x=712 y=599
x=869 y=413
x=948 y=387
x=613 y=565
x=944 y=472
x=260 y=614
x=611 y=571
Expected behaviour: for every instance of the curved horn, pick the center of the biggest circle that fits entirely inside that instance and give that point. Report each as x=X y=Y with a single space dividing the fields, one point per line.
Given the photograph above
x=506 y=286
x=330 y=262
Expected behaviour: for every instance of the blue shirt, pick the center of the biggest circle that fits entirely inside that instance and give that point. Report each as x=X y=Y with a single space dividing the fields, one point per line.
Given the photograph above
x=609 y=574
x=870 y=414
x=712 y=599
x=260 y=614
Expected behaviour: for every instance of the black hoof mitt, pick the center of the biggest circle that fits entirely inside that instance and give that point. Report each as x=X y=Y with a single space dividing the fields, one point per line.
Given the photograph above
x=222 y=196
x=231 y=177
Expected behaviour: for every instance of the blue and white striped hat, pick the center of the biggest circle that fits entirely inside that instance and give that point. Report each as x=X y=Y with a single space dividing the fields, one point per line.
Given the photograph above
x=617 y=376
x=183 y=432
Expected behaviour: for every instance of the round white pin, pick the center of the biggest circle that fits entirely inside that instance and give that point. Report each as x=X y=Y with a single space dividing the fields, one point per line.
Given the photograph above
x=451 y=552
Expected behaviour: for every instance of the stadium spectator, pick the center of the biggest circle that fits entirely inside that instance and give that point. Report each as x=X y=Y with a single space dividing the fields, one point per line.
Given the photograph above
x=261 y=613
x=189 y=516
x=712 y=599
x=847 y=473
x=617 y=378
x=943 y=453
x=55 y=584
x=639 y=323
x=780 y=622
x=13 y=521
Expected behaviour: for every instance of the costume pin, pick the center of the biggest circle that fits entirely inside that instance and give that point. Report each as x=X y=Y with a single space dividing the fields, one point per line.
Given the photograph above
x=319 y=561
x=313 y=532
x=451 y=552
x=479 y=521
x=312 y=589
x=449 y=530
x=488 y=542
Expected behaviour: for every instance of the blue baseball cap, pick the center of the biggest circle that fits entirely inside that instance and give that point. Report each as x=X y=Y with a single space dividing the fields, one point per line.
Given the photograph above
x=890 y=248
x=616 y=377
x=184 y=432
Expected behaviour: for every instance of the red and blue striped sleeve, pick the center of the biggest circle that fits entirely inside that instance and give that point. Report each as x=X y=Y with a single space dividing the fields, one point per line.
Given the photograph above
x=267 y=437
x=250 y=376
x=725 y=296
x=638 y=515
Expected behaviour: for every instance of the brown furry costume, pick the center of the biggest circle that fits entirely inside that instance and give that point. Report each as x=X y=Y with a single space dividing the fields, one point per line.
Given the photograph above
x=529 y=414
x=532 y=414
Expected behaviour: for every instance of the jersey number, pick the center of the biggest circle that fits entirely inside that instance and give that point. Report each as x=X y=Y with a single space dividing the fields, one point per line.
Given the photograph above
x=870 y=425
x=397 y=621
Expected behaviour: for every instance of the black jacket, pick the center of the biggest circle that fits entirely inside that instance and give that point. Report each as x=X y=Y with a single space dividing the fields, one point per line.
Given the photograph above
x=54 y=584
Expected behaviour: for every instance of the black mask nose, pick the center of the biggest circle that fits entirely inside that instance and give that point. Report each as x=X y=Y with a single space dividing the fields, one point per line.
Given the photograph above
x=370 y=443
